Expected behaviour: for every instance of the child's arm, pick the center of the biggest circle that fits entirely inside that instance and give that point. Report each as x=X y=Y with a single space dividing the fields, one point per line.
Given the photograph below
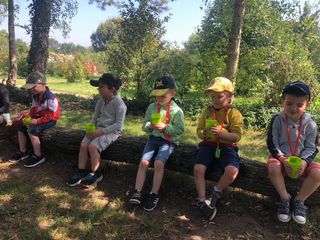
x=273 y=139
x=310 y=151
x=120 y=116
x=146 y=126
x=176 y=127
x=48 y=114
x=201 y=125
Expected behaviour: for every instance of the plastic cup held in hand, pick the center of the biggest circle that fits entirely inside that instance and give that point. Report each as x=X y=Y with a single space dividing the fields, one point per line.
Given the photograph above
x=211 y=123
x=156 y=118
x=295 y=163
x=90 y=127
x=26 y=120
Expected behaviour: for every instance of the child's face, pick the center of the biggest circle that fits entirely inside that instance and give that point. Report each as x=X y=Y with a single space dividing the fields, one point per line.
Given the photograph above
x=38 y=88
x=220 y=99
x=105 y=91
x=294 y=106
x=164 y=99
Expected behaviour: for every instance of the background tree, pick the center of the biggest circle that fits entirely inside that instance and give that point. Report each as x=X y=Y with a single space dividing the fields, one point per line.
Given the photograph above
x=44 y=14
x=13 y=68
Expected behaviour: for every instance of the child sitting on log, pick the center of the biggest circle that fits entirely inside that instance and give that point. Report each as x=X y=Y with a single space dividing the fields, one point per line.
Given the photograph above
x=220 y=128
x=164 y=123
x=292 y=135
x=44 y=114
x=4 y=106
x=106 y=127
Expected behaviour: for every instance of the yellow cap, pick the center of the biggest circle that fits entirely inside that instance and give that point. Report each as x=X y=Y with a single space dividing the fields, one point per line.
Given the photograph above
x=220 y=84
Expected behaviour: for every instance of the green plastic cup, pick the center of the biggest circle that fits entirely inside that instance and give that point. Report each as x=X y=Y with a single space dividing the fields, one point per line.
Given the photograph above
x=156 y=118
x=295 y=163
x=90 y=127
x=211 y=123
x=26 y=120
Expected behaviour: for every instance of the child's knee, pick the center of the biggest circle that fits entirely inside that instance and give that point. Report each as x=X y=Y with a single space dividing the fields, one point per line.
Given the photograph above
x=144 y=164
x=158 y=165
x=84 y=146
x=314 y=174
x=274 y=169
x=92 y=148
x=199 y=170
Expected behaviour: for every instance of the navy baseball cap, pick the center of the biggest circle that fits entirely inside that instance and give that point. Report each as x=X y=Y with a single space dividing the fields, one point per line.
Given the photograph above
x=108 y=79
x=297 y=88
x=162 y=86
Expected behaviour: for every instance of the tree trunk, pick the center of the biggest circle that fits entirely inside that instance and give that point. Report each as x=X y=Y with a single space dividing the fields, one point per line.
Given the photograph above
x=252 y=175
x=234 y=40
x=41 y=22
x=13 y=68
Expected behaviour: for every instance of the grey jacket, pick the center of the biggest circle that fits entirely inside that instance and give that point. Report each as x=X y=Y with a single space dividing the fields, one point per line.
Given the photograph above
x=109 y=116
x=277 y=139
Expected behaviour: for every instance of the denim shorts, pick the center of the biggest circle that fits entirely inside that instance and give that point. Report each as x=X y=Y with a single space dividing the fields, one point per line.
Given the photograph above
x=228 y=156
x=158 y=148
x=36 y=130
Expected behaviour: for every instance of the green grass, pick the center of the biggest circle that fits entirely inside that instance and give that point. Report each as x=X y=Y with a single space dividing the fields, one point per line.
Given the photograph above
x=57 y=84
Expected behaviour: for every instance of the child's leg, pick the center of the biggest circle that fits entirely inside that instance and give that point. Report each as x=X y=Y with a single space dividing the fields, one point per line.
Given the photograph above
x=199 y=172
x=229 y=175
x=157 y=175
x=94 y=157
x=22 y=142
x=141 y=174
x=311 y=183
x=277 y=179
x=35 y=140
x=83 y=155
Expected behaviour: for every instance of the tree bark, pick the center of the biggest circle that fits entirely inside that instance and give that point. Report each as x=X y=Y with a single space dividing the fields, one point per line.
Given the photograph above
x=252 y=175
x=234 y=40
x=13 y=67
x=41 y=22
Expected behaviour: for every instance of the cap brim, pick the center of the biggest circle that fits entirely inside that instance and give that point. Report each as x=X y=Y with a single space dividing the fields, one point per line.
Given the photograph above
x=159 y=92
x=94 y=83
x=215 y=88
x=28 y=86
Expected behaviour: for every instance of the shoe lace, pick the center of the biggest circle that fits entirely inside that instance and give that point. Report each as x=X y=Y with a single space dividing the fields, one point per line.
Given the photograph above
x=283 y=206
x=300 y=208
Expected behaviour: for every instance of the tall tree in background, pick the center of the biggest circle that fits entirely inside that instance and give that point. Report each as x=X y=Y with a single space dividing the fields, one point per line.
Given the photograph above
x=234 y=40
x=45 y=14
x=13 y=68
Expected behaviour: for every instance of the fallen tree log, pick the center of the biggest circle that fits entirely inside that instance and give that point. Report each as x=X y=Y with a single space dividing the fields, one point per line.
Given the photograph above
x=252 y=176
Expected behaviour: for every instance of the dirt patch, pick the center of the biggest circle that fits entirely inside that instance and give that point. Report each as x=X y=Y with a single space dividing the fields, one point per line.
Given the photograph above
x=241 y=215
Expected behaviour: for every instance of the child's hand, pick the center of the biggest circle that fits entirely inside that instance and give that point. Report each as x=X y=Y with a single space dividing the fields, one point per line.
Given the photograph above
x=286 y=165
x=303 y=168
x=216 y=130
x=97 y=133
x=159 y=126
x=33 y=122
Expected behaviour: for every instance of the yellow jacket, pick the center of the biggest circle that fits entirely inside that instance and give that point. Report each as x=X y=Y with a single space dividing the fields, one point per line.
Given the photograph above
x=233 y=122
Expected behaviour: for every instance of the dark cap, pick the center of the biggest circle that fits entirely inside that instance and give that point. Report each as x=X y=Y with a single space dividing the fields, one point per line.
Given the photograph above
x=33 y=79
x=108 y=79
x=162 y=86
x=298 y=89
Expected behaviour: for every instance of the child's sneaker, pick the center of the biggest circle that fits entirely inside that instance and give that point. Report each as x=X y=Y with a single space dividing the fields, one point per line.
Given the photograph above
x=33 y=161
x=299 y=212
x=136 y=197
x=18 y=156
x=76 y=179
x=284 y=211
x=151 y=202
x=210 y=210
x=91 y=180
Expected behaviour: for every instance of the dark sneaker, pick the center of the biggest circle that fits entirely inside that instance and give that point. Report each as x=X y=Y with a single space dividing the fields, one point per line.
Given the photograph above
x=76 y=179
x=209 y=209
x=283 y=211
x=18 y=156
x=33 y=161
x=299 y=212
x=151 y=202
x=136 y=197
x=91 y=180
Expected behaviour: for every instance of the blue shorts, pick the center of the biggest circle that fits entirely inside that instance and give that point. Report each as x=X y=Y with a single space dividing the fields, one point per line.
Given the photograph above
x=36 y=130
x=228 y=156
x=157 y=148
